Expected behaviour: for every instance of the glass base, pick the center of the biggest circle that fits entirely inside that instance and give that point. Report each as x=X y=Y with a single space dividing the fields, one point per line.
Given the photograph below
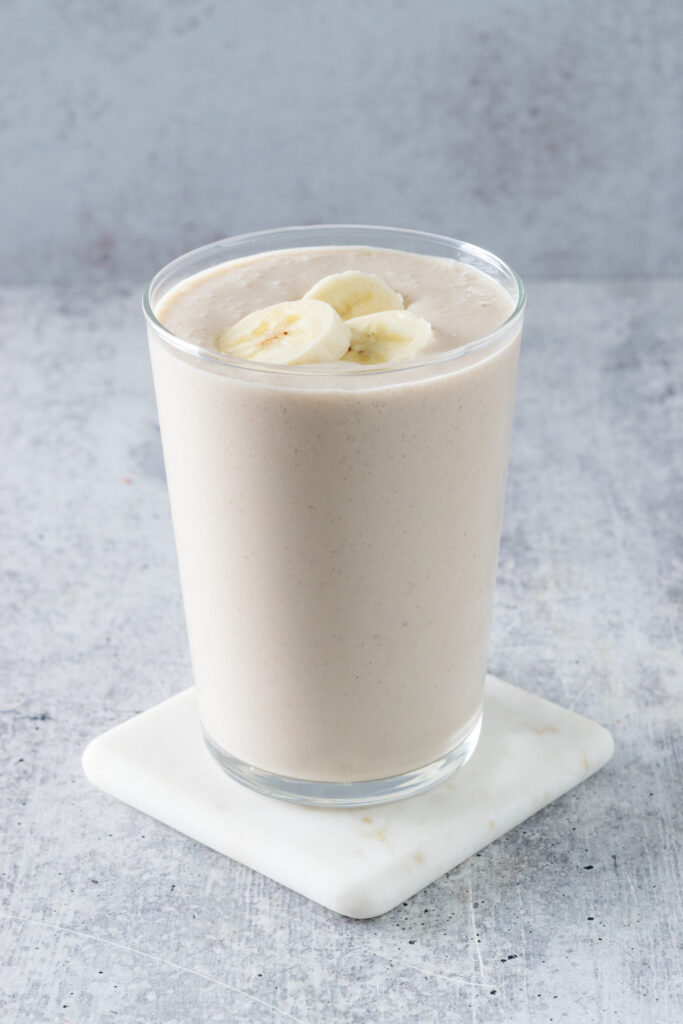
x=347 y=794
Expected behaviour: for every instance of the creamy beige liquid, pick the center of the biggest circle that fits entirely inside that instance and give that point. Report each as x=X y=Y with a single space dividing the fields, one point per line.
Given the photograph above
x=338 y=543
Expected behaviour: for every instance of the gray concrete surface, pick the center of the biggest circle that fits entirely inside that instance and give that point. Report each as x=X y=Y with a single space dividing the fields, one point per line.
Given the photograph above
x=108 y=916
x=549 y=132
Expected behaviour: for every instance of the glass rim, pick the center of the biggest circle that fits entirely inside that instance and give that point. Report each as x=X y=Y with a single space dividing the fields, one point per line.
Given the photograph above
x=215 y=356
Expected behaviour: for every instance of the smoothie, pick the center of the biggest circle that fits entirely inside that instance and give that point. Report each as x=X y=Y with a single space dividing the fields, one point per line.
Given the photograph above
x=337 y=524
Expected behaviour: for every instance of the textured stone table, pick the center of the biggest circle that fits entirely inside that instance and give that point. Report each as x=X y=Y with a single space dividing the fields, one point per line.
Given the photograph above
x=574 y=916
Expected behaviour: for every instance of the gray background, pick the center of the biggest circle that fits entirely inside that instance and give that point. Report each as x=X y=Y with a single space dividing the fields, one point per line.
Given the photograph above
x=551 y=133
x=109 y=917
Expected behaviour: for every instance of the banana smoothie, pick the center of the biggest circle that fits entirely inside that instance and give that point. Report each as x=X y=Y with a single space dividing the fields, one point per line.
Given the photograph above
x=335 y=422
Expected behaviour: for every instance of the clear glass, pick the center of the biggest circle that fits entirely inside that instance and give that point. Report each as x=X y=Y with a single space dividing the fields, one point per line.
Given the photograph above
x=337 y=533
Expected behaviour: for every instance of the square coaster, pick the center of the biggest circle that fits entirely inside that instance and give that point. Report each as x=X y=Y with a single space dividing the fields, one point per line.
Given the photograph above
x=360 y=862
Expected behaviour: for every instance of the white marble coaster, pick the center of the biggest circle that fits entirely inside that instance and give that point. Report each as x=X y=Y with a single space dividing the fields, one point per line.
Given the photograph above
x=360 y=862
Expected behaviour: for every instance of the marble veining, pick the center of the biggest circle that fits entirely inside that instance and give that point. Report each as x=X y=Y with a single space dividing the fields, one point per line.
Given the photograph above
x=360 y=862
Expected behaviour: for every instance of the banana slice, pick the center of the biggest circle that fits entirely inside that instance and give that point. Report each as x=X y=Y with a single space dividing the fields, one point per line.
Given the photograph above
x=387 y=337
x=354 y=294
x=305 y=331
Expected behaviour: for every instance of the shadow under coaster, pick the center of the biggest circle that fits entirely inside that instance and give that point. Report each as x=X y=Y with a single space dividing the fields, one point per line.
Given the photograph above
x=360 y=861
